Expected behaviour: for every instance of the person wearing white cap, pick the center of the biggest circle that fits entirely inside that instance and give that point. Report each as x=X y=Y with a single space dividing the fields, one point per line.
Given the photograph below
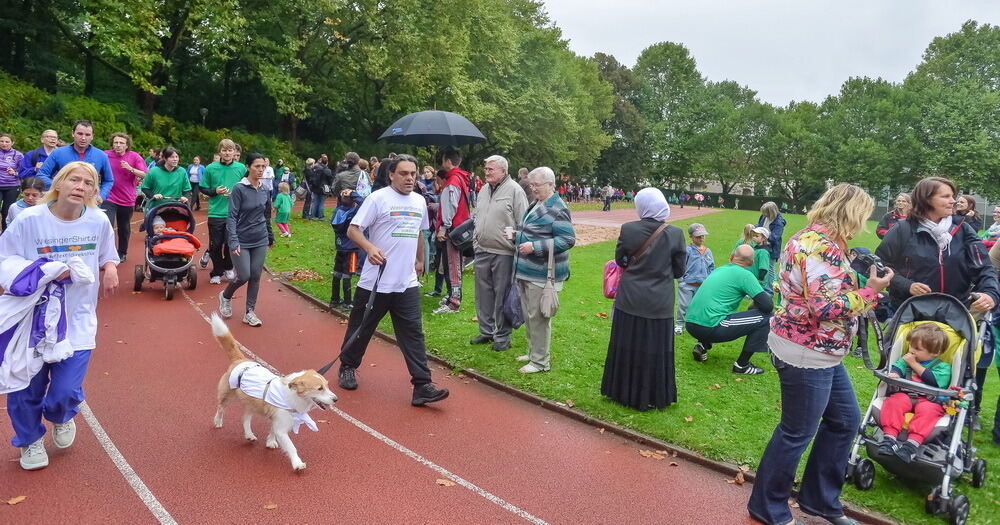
x=700 y=262
x=762 y=268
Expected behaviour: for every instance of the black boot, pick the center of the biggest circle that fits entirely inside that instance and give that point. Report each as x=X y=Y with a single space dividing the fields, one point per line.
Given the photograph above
x=335 y=293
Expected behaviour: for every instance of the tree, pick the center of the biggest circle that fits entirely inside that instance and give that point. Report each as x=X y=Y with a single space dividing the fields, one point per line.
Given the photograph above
x=623 y=163
x=796 y=158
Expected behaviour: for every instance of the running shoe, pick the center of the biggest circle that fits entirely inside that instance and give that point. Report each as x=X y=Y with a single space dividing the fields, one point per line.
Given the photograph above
x=251 y=319
x=700 y=353
x=63 y=434
x=215 y=280
x=204 y=260
x=34 y=457
x=225 y=305
x=444 y=309
x=428 y=393
x=348 y=378
x=230 y=275
x=747 y=369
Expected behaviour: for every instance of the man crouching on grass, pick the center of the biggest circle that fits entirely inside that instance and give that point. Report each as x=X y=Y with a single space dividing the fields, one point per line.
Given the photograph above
x=394 y=217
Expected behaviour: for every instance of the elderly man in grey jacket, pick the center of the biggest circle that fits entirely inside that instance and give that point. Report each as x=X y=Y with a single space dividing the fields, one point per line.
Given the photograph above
x=500 y=210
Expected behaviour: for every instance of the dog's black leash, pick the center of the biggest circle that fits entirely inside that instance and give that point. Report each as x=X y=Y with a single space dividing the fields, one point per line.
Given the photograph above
x=364 y=317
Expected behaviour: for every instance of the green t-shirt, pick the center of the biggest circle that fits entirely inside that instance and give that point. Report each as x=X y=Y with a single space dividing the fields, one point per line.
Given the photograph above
x=940 y=369
x=720 y=295
x=283 y=205
x=761 y=261
x=172 y=185
x=219 y=174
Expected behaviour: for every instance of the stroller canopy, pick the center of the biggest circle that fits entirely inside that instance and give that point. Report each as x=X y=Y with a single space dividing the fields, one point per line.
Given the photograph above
x=938 y=307
x=174 y=214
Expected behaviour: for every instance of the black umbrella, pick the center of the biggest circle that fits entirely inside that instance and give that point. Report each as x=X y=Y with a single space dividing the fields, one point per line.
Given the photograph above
x=433 y=128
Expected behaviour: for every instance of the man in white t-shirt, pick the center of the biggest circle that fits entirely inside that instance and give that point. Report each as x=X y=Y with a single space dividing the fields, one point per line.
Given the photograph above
x=69 y=224
x=394 y=217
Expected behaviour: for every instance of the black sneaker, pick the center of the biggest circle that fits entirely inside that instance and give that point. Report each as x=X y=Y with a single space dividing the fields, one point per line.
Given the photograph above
x=748 y=369
x=887 y=446
x=348 y=378
x=906 y=451
x=700 y=353
x=481 y=340
x=428 y=393
x=500 y=346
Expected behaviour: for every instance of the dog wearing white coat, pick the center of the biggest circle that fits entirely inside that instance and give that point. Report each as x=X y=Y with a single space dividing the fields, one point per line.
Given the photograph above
x=284 y=400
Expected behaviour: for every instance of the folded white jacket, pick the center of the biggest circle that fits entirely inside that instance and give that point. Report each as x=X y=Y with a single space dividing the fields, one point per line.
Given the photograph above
x=33 y=320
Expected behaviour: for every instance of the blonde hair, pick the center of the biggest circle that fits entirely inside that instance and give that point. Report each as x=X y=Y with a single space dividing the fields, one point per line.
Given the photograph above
x=844 y=209
x=769 y=209
x=283 y=187
x=227 y=144
x=53 y=194
x=748 y=233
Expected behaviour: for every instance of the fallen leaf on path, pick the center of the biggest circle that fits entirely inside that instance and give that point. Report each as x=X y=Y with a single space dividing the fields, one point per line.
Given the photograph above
x=602 y=315
x=373 y=364
x=673 y=454
x=271 y=506
x=136 y=293
x=445 y=482
x=738 y=379
x=16 y=500
x=744 y=468
x=600 y=430
x=697 y=403
x=739 y=478
x=650 y=454
x=200 y=304
x=322 y=421
x=673 y=463
x=688 y=419
x=795 y=504
x=343 y=321
x=120 y=342
x=713 y=387
x=105 y=373
x=569 y=402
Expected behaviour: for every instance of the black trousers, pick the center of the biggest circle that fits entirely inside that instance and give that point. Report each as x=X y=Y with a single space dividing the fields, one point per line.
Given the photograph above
x=120 y=216
x=195 y=196
x=218 y=248
x=751 y=324
x=8 y=196
x=404 y=309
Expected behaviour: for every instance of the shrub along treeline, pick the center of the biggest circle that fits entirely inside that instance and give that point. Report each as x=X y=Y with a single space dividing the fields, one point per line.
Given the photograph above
x=26 y=111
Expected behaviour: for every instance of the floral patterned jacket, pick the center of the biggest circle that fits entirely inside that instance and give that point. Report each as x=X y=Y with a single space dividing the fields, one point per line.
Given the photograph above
x=823 y=315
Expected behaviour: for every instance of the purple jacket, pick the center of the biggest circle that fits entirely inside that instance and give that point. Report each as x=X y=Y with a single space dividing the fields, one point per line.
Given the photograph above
x=10 y=159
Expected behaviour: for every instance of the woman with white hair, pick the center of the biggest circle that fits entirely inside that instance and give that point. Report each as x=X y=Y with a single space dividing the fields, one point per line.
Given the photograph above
x=542 y=264
x=639 y=369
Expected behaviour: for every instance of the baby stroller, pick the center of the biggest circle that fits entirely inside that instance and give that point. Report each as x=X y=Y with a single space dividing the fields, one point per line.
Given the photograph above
x=169 y=256
x=948 y=451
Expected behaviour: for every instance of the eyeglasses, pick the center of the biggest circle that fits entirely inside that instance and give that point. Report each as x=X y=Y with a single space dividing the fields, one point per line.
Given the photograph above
x=538 y=184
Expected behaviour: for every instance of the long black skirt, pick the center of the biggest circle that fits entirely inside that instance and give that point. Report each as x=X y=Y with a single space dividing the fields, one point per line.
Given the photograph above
x=639 y=370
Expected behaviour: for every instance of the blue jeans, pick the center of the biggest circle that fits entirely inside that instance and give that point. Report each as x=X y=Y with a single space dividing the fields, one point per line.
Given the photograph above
x=815 y=403
x=55 y=392
x=316 y=205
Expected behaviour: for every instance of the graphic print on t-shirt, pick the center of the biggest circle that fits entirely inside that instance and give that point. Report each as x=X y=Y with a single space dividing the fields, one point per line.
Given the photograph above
x=62 y=248
x=407 y=222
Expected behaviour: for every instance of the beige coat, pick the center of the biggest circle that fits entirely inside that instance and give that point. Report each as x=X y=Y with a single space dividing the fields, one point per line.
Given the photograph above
x=495 y=210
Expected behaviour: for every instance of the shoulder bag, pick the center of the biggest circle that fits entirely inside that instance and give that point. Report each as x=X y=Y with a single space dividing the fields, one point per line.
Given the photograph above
x=613 y=272
x=512 y=300
x=550 y=297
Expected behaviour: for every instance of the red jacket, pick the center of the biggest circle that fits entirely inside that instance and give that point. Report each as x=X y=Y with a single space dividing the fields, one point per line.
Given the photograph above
x=459 y=178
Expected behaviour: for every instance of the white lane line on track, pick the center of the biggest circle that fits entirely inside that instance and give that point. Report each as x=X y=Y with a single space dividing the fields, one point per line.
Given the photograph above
x=133 y=479
x=489 y=496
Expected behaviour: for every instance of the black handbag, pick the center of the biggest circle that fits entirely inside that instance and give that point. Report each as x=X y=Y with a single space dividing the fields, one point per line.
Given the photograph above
x=461 y=237
x=512 y=300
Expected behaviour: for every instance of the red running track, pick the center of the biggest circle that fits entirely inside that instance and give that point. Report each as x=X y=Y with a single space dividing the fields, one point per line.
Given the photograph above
x=151 y=387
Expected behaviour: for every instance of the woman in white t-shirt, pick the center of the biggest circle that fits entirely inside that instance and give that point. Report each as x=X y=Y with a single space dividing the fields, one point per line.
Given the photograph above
x=65 y=224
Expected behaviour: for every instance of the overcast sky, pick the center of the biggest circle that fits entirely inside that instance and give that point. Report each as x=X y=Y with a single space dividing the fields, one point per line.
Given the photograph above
x=784 y=49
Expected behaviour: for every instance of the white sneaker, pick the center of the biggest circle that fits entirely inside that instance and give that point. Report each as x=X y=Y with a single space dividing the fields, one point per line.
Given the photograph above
x=225 y=305
x=523 y=357
x=230 y=275
x=204 y=260
x=678 y=329
x=63 y=434
x=251 y=319
x=215 y=280
x=34 y=457
x=444 y=309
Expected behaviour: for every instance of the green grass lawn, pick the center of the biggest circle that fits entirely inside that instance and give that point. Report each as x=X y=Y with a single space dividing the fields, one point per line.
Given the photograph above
x=731 y=423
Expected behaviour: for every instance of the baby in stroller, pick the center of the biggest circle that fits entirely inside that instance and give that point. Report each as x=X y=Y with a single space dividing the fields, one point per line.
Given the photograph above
x=167 y=240
x=921 y=363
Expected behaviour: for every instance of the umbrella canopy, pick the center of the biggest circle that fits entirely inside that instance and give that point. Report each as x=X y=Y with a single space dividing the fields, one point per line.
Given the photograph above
x=433 y=128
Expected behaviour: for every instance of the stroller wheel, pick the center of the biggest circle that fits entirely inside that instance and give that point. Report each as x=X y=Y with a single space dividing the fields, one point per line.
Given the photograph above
x=139 y=275
x=168 y=290
x=864 y=474
x=932 y=505
x=192 y=278
x=959 y=510
x=978 y=473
